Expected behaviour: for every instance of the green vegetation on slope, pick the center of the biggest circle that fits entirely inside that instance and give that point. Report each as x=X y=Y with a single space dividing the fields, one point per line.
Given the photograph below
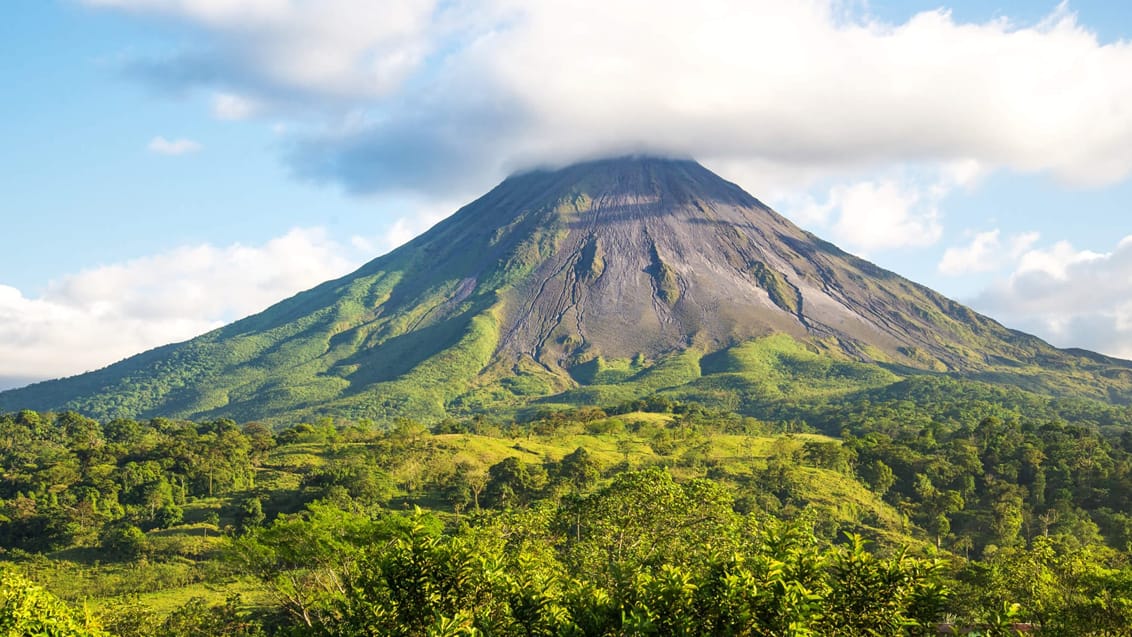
x=595 y=283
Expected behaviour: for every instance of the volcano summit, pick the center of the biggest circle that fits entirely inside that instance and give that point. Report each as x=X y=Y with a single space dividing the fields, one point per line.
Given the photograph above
x=592 y=276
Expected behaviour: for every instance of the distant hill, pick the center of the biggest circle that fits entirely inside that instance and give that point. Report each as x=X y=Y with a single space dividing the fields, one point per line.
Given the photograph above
x=594 y=282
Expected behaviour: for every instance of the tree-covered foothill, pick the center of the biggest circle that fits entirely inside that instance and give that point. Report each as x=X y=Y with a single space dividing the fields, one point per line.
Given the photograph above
x=652 y=517
x=68 y=480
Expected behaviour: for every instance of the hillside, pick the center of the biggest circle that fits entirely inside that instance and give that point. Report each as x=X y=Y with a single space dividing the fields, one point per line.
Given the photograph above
x=611 y=278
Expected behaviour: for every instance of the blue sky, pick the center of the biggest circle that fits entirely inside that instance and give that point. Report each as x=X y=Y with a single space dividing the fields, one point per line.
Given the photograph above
x=172 y=165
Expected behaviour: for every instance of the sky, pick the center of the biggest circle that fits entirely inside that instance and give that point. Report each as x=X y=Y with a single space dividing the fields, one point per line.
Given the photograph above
x=170 y=166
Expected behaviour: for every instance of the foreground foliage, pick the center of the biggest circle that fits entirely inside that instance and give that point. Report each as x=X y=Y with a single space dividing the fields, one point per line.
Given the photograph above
x=649 y=517
x=27 y=609
x=775 y=582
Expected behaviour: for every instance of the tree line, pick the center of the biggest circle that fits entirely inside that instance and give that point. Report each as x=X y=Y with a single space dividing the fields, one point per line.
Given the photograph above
x=1007 y=521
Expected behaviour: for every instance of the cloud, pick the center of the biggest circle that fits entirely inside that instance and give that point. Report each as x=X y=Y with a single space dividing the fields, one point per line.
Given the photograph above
x=1055 y=262
x=438 y=154
x=49 y=337
x=163 y=146
x=233 y=107
x=92 y=318
x=895 y=209
x=985 y=253
x=878 y=215
x=416 y=94
x=1071 y=297
x=420 y=216
x=340 y=49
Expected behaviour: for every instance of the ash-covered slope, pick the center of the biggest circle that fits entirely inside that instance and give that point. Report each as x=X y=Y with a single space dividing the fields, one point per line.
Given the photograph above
x=633 y=258
x=654 y=255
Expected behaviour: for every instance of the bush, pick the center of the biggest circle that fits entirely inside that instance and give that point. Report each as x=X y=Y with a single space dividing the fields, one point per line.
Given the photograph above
x=27 y=609
x=124 y=541
x=168 y=515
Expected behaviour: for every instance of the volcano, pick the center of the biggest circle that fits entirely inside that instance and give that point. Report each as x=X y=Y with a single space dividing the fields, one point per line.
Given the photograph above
x=556 y=280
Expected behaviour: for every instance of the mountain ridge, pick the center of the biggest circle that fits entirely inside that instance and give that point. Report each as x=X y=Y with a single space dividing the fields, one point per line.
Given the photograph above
x=634 y=259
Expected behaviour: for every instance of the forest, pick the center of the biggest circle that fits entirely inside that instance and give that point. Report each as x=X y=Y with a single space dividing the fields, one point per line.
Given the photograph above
x=930 y=508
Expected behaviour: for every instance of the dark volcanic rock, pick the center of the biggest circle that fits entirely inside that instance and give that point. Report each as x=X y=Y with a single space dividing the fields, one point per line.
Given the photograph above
x=656 y=255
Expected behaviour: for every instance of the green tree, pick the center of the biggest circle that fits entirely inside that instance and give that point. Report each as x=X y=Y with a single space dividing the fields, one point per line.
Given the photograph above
x=303 y=560
x=935 y=506
x=364 y=482
x=870 y=596
x=878 y=476
x=512 y=483
x=640 y=519
x=577 y=469
x=123 y=541
x=169 y=515
x=260 y=440
x=249 y=515
x=465 y=485
x=828 y=455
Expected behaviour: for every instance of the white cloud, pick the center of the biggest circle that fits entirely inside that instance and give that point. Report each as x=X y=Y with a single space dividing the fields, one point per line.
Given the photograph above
x=879 y=215
x=233 y=107
x=495 y=84
x=979 y=256
x=896 y=209
x=405 y=228
x=1056 y=261
x=339 y=48
x=92 y=318
x=163 y=146
x=44 y=338
x=401 y=231
x=1071 y=297
x=986 y=253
